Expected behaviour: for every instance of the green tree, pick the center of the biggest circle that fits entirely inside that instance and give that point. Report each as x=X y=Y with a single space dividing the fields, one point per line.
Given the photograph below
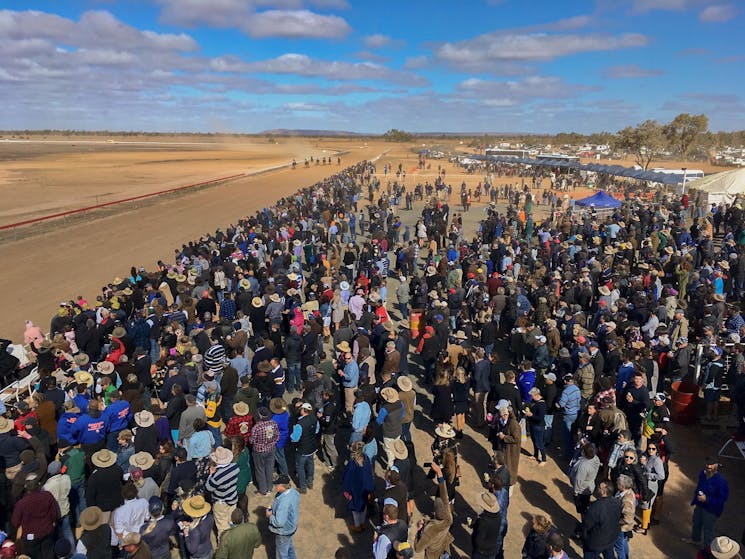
x=395 y=135
x=644 y=142
x=684 y=130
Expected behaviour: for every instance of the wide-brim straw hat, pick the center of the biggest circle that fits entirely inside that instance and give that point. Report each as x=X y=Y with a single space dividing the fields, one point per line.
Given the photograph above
x=274 y=298
x=344 y=347
x=389 y=394
x=91 y=518
x=488 y=502
x=257 y=303
x=221 y=456
x=240 y=408
x=724 y=548
x=277 y=405
x=196 y=506
x=404 y=383
x=400 y=450
x=82 y=359
x=103 y=458
x=6 y=425
x=118 y=332
x=83 y=377
x=144 y=418
x=105 y=367
x=460 y=335
x=445 y=431
x=143 y=460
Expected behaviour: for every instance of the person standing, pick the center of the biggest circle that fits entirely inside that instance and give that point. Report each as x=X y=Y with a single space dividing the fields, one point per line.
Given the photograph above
x=390 y=419
x=241 y=540
x=582 y=476
x=600 y=524
x=712 y=492
x=625 y=494
x=569 y=404
x=264 y=437
x=357 y=485
x=486 y=528
x=59 y=485
x=222 y=485
x=328 y=417
x=481 y=387
x=349 y=373
x=305 y=436
x=35 y=516
x=536 y=419
x=283 y=517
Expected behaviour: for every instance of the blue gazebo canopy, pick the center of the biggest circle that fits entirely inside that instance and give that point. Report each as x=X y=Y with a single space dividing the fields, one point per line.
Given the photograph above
x=600 y=200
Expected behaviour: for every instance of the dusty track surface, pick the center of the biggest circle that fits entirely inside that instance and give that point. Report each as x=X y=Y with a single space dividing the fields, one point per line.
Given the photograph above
x=77 y=258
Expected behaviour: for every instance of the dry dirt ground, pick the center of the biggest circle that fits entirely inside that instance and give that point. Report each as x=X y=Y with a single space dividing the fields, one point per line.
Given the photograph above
x=81 y=256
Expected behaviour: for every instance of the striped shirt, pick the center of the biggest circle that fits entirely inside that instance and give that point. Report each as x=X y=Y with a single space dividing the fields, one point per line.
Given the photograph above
x=223 y=483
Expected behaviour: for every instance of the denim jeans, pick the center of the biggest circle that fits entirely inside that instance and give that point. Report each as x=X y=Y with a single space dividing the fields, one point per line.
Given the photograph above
x=537 y=432
x=284 y=546
x=403 y=308
x=703 y=524
x=279 y=457
x=406 y=431
x=77 y=501
x=568 y=431
x=64 y=530
x=622 y=546
x=294 y=380
x=305 y=469
x=548 y=434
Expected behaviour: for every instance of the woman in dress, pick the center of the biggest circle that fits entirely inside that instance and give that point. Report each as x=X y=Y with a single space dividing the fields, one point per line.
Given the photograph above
x=461 y=385
x=442 y=405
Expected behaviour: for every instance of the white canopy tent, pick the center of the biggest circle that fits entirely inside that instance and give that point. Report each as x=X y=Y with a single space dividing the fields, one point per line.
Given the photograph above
x=721 y=187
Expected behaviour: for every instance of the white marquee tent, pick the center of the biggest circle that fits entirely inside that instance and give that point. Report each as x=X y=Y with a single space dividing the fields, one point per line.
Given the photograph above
x=721 y=187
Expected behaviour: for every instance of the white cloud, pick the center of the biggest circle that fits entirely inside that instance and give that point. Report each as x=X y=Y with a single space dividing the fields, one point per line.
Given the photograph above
x=296 y=24
x=414 y=62
x=493 y=51
x=377 y=41
x=514 y=92
x=285 y=18
x=303 y=65
x=718 y=13
x=626 y=71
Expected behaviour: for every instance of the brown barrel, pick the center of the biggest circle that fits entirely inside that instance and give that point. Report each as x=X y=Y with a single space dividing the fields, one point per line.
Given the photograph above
x=416 y=322
x=684 y=400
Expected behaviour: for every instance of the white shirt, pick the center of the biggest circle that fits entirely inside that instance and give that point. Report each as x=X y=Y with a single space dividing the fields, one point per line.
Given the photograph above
x=130 y=517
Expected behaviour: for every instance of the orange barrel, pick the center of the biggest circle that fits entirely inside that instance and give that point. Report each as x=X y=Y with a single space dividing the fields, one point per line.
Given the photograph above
x=684 y=400
x=416 y=322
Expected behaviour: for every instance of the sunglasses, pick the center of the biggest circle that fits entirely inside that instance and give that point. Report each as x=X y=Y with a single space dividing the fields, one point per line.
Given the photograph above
x=629 y=457
x=651 y=448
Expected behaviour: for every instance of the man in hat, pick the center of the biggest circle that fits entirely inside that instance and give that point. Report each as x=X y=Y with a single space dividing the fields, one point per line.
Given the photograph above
x=709 y=498
x=305 y=436
x=349 y=373
x=486 y=534
x=390 y=418
x=283 y=517
x=104 y=484
x=328 y=418
x=35 y=516
x=240 y=540
x=222 y=485
x=135 y=547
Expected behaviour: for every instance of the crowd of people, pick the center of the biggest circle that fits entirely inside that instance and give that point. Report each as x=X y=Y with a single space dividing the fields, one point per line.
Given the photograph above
x=300 y=338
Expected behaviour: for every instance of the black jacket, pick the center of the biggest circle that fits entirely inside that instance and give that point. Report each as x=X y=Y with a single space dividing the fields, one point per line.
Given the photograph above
x=104 y=488
x=294 y=346
x=601 y=524
x=487 y=533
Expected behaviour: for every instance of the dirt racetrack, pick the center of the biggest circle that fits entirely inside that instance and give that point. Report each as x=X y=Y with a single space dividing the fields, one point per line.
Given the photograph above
x=77 y=258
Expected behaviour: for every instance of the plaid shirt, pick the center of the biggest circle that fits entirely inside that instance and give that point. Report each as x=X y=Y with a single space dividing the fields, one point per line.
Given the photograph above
x=264 y=436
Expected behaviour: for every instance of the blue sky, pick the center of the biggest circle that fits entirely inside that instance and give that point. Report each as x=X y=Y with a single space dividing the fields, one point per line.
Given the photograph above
x=468 y=66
